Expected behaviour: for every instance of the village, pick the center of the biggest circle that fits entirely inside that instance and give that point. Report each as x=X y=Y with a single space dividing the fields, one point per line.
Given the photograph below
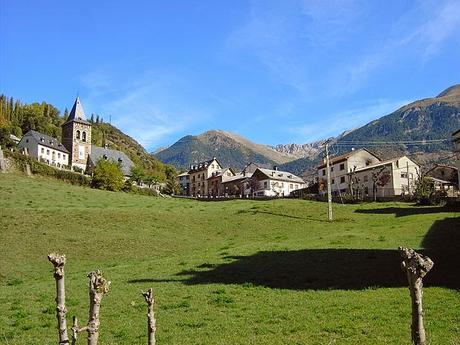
x=358 y=173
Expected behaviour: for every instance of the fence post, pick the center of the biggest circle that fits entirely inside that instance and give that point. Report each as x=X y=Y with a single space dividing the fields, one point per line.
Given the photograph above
x=416 y=267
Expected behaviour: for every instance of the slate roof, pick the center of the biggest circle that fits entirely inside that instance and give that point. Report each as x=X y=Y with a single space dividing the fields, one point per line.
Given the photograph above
x=280 y=175
x=44 y=140
x=202 y=166
x=113 y=155
x=77 y=113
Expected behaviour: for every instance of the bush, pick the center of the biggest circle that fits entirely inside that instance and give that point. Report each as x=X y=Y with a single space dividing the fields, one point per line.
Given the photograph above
x=42 y=169
x=107 y=175
x=425 y=193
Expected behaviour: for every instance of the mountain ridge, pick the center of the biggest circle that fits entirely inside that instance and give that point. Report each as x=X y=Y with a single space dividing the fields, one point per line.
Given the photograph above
x=429 y=118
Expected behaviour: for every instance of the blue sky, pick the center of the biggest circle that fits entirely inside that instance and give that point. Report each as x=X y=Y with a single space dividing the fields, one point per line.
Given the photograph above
x=273 y=71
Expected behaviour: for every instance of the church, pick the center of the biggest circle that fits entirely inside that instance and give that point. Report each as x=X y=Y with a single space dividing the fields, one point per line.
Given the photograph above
x=76 y=150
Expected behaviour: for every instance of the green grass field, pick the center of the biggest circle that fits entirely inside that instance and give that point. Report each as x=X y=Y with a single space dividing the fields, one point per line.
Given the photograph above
x=234 y=272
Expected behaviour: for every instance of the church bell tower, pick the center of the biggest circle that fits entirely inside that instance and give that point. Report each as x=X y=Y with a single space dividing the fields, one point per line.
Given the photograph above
x=76 y=136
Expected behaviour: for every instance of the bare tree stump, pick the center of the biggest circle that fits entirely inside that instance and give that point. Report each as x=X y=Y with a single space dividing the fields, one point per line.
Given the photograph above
x=74 y=330
x=416 y=267
x=151 y=322
x=98 y=286
x=58 y=262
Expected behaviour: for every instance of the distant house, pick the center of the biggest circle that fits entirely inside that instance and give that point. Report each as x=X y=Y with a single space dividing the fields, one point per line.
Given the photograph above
x=240 y=184
x=44 y=148
x=199 y=174
x=275 y=183
x=389 y=178
x=119 y=157
x=216 y=182
x=341 y=166
x=184 y=183
x=456 y=136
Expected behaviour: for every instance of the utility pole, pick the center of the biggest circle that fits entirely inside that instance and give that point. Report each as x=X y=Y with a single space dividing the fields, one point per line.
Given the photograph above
x=408 y=179
x=328 y=177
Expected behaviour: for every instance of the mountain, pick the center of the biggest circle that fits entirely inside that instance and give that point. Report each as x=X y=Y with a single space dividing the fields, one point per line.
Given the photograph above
x=229 y=148
x=431 y=118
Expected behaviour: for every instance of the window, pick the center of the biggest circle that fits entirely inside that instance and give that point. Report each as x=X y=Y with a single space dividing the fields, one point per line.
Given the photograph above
x=47 y=152
x=366 y=190
x=27 y=140
x=265 y=184
x=332 y=168
x=43 y=150
x=342 y=166
x=59 y=155
x=366 y=178
x=84 y=136
x=296 y=186
x=77 y=135
x=342 y=179
x=291 y=186
x=63 y=156
x=403 y=174
x=332 y=181
x=324 y=172
x=202 y=176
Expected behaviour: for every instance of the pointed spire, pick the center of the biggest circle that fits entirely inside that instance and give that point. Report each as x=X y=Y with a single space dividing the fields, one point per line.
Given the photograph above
x=77 y=112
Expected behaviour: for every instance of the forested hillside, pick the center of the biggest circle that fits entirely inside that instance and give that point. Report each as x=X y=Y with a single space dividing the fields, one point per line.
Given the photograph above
x=18 y=118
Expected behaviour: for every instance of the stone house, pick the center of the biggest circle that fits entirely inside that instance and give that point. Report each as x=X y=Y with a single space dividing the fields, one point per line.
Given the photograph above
x=389 y=178
x=44 y=148
x=341 y=166
x=275 y=183
x=199 y=174
x=184 y=183
x=216 y=182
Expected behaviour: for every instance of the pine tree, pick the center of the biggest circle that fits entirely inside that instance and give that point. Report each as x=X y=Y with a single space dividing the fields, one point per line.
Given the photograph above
x=92 y=118
x=66 y=114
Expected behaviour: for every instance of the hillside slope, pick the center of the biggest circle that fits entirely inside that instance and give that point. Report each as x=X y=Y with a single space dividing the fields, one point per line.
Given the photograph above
x=431 y=118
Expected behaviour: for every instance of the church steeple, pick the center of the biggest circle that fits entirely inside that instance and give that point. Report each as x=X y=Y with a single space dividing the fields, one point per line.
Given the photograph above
x=76 y=135
x=77 y=113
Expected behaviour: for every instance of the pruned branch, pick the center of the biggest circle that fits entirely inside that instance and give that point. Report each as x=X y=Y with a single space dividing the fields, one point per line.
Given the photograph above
x=151 y=322
x=416 y=267
x=58 y=262
x=98 y=287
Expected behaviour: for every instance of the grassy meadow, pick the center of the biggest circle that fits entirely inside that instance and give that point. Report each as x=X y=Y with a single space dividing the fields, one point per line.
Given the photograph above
x=233 y=272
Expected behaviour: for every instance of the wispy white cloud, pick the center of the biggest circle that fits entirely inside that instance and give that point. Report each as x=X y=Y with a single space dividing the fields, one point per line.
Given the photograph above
x=329 y=125
x=145 y=107
x=435 y=22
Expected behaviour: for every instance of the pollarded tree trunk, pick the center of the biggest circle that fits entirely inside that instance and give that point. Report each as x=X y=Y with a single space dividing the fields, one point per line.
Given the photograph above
x=98 y=286
x=151 y=323
x=416 y=267
x=58 y=262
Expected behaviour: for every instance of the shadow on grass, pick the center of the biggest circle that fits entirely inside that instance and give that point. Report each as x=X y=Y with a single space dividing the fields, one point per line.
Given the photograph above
x=324 y=269
x=409 y=211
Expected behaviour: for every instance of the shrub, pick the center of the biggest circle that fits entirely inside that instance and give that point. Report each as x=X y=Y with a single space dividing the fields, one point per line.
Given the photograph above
x=107 y=175
x=425 y=193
